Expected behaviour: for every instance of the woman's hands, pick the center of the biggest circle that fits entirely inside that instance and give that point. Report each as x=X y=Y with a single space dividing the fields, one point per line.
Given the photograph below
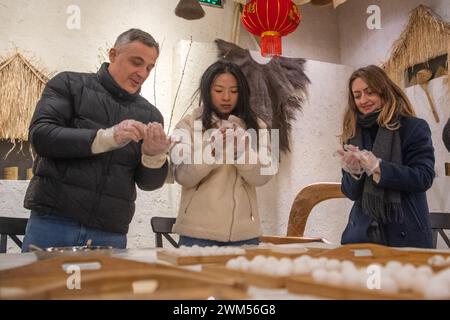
x=355 y=161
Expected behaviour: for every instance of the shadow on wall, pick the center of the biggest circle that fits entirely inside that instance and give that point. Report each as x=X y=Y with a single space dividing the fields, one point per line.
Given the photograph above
x=20 y=157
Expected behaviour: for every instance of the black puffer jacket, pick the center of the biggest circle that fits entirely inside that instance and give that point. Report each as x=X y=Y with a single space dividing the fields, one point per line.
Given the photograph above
x=96 y=190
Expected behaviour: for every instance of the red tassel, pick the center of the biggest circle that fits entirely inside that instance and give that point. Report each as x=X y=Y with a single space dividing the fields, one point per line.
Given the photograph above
x=270 y=44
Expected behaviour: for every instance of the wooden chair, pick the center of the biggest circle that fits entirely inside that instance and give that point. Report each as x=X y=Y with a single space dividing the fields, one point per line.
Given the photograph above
x=162 y=226
x=304 y=202
x=11 y=227
x=440 y=221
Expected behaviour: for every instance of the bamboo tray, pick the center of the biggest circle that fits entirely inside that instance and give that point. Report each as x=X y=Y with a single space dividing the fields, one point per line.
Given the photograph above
x=380 y=254
x=190 y=260
x=307 y=285
x=249 y=278
x=116 y=279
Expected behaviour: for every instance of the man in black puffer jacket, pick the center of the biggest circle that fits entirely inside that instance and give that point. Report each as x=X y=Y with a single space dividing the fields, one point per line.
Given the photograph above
x=95 y=139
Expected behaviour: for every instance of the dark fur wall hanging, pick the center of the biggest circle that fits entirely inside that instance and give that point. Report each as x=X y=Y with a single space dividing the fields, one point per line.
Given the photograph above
x=278 y=88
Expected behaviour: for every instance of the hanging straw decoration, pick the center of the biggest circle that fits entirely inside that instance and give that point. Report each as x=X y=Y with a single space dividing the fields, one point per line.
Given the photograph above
x=426 y=37
x=21 y=86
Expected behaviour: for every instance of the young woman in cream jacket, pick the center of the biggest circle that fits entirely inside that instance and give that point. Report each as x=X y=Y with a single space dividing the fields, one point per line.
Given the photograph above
x=213 y=163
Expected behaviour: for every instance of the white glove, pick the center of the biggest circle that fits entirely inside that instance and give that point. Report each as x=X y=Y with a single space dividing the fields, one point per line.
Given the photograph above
x=350 y=157
x=369 y=162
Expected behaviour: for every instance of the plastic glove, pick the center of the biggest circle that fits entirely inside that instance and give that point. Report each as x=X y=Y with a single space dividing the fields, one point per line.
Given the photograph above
x=369 y=162
x=350 y=159
x=129 y=130
x=237 y=121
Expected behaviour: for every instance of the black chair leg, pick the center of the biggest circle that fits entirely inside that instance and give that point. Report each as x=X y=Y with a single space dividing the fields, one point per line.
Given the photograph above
x=171 y=240
x=3 y=239
x=444 y=236
x=434 y=238
x=158 y=240
x=16 y=240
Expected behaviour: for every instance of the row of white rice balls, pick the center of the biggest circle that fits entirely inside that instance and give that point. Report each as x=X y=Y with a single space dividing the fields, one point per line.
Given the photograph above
x=393 y=277
x=196 y=251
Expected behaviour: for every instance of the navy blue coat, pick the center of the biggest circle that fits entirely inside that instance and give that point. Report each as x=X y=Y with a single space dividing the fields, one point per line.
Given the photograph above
x=411 y=179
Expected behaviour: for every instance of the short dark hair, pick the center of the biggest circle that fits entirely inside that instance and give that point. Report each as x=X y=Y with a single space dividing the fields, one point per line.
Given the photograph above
x=136 y=35
x=242 y=109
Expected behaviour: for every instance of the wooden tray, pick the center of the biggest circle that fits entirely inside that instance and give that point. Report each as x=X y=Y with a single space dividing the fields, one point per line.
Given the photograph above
x=280 y=253
x=249 y=278
x=117 y=279
x=380 y=254
x=307 y=285
x=190 y=260
x=288 y=239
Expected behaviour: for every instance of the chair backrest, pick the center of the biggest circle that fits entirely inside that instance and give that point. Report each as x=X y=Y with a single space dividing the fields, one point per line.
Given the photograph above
x=162 y=226
x=304 y=202
x=11 y=227
x=440 y=221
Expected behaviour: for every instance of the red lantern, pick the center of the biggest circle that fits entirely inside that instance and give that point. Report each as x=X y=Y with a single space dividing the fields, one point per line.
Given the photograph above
x=270 y=19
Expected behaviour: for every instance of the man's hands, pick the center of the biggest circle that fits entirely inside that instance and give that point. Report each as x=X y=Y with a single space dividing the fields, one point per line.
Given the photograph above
x=154 y=139
x=128 y=130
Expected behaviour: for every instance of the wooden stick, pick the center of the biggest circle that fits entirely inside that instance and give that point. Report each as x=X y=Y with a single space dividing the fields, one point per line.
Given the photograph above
x=433 y=108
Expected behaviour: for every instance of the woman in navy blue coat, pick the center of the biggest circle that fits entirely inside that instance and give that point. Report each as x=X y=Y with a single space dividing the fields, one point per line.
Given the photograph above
x=388 y=164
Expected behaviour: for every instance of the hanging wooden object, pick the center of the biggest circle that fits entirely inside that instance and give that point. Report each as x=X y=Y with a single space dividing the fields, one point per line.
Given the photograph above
x=11 y=173
x=423 y=77
x=271 y=20
x=189 y=10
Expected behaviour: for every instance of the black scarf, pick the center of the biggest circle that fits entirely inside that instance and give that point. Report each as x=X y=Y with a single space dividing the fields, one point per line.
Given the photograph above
x=384 y=205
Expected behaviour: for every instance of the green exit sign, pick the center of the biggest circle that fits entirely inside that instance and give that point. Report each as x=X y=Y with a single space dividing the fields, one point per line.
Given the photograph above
x=213 y=3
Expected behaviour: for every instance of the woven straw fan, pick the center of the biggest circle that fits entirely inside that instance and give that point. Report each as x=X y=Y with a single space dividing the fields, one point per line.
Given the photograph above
x=423 y=76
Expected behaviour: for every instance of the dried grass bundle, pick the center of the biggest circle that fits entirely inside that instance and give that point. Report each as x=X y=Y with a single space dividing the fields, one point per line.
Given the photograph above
x=21 y=86
x=425 y=37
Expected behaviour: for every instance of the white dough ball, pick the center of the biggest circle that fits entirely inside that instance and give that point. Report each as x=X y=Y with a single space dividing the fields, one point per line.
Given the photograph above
x=319 y=275
x=333 y=264
x=424 y=270
x=388 y=285
x=437 y=290
x=301 y=269
x=394 y=265
x=420 y=283
x=437 y=260
x=334 y=278
x=233 y=264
